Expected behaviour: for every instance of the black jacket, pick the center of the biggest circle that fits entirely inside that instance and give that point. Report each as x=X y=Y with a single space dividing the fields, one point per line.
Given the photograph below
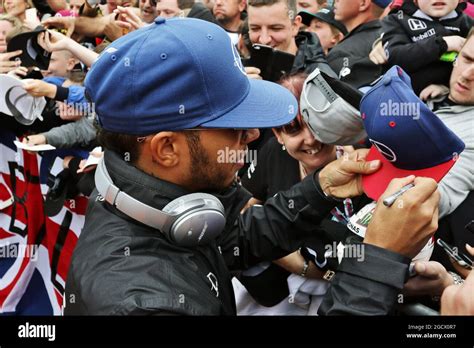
x=122 y=267
x=350 y=57
x=415 y=42
x=310 y=55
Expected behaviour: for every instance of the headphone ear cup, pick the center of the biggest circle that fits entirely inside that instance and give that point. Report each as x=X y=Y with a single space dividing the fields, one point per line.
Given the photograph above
x=198 y=219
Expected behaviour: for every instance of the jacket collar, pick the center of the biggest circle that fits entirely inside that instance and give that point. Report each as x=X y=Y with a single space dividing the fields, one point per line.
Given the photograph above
x=422 y=15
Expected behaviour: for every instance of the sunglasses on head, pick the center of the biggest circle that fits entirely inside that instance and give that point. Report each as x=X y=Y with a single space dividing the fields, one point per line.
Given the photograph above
x=294 y=127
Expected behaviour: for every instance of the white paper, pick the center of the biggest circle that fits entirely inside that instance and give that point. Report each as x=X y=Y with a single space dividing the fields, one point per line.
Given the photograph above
x=93 y=160
x=36 y=148
x=12 y=91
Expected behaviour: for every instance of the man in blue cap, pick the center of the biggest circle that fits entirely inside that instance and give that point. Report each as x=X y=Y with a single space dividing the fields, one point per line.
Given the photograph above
x=165 y=225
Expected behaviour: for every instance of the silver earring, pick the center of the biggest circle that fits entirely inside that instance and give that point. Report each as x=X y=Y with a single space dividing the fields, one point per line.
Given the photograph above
x=283 y=147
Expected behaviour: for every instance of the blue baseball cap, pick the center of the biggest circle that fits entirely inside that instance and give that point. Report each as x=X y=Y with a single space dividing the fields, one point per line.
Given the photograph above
x=382 y=3
x=178 y=74
x=407 y=137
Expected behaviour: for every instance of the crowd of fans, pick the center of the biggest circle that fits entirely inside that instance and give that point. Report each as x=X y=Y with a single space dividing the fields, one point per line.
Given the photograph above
x=352 y=43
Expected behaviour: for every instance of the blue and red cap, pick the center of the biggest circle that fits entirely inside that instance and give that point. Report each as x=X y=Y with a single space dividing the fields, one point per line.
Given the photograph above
x=406 y=136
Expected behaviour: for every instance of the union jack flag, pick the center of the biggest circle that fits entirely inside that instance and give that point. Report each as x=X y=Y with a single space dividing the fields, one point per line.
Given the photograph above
x=35 y=249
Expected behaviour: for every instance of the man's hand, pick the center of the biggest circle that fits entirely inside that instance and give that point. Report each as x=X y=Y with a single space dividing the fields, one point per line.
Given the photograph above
x=68 y=23
x=253 y=73
x=378 y=55
x=342 y=178
x=38 y=88
x=53 y=41
x=406 y=226
x=112 y=30
x=7 y=65
x=431 y=279
x=19 y=72
x=433 y=91
x=454 y=42
x=458 y=299
x=128 y=19
x=38 y=139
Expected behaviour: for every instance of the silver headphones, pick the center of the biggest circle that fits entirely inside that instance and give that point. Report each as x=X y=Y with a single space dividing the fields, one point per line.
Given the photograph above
x=191 y=220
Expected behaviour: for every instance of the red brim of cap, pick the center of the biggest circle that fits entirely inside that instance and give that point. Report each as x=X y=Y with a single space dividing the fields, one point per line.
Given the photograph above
x=374 y=185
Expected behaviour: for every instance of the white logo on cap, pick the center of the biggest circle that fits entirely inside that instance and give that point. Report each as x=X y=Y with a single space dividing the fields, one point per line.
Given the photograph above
x=345 y=72
x=111 y=50
x=387 y=152
x=237 y=60
x=416 y=24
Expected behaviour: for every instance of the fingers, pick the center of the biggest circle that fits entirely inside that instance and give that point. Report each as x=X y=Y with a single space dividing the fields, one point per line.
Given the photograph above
x=10 y=64
x=426 y=93
x=360 y=166
x=395 y=185
x=253 y=72
x=124 y=25
x=470 y=249
x=424 y=189
x=429 y=269
x=9 y=55
x=20 y=71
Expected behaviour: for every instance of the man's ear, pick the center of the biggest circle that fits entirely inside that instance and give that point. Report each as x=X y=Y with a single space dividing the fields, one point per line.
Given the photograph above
x=71 y=63
x=167 y=148
x=296 y=25
x=364 y=5
x=337 y=38
x=242 y=5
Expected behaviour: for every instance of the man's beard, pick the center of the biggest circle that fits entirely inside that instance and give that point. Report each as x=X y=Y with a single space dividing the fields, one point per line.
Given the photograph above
x=205 y=174
x=224 y=19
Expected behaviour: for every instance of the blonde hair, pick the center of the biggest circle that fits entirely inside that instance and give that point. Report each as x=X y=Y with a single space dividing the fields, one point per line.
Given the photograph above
x=17 y=26
x=14 y=21
x=28 y=2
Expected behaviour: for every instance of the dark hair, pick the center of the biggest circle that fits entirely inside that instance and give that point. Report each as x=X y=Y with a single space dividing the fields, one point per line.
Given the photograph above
x=290 y=4
x=244 y=31
x=125 y=145
x=184 y=4
x=128 y=146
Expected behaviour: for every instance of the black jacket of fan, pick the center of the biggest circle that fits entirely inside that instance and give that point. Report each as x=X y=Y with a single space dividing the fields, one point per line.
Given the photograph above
x=415 y=42
x=121 y=266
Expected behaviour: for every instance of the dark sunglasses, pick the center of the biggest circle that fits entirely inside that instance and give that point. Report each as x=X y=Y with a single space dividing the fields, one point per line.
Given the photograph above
x=294 y=127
